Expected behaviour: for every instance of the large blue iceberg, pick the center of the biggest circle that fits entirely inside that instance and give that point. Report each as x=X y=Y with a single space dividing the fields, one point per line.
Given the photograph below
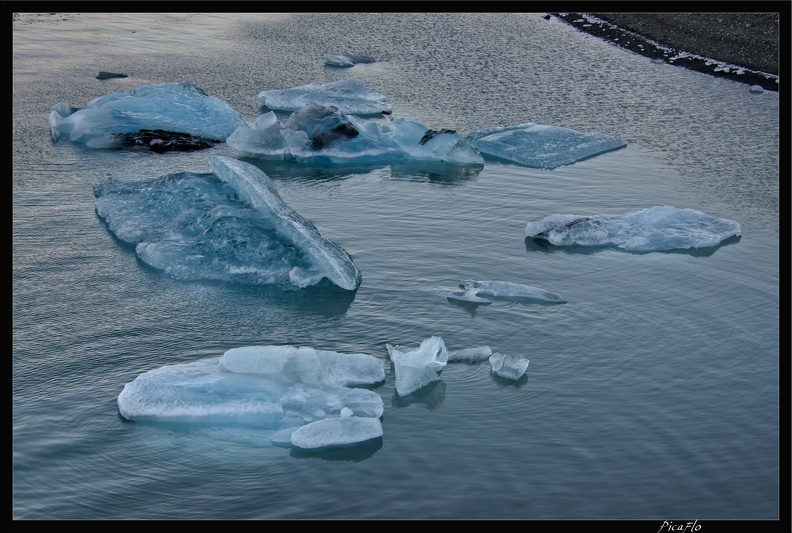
x=540 y=146
x=349 y=96
x=324 y=134
x=281 y=388
x=230 y=225
x=654 y=229
x=167 y=116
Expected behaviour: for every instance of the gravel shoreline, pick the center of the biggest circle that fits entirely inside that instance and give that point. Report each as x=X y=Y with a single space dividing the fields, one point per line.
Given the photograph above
x=739 y=46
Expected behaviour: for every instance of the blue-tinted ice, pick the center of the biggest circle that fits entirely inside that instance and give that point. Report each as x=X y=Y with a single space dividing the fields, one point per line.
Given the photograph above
x=325 y=134
x=487 y=291
x=349 y=96
x=417 y=367
x=508 y=366
x=654 y=229
x=117 y=119
x=271 y=387
x=229 y=225
x=541 y=146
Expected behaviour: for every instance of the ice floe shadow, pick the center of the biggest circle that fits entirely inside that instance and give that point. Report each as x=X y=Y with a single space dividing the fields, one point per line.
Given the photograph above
x=537 y=244
x=355 y=452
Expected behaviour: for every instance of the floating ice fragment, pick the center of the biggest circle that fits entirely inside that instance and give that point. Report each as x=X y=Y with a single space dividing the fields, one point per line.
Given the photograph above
x=230 y=225
x=349 y=96
x=653 y=229
x=111 y=120
x=336 y=432
x=487 y=291
x=275 y=387
x=469 y=355
x=323 y=134
x=509 y=366
x=540 y=146
x=416 y=368
x=346 y=60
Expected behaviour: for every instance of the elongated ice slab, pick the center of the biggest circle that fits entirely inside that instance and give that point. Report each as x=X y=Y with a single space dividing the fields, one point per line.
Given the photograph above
x=324 y=134
x=346 y=60
x=469 y=355
x=336 y=432
x=541 y=146
x=349 y=96
x=417 y=367
x=487 y=291
x=229 y=225
x=653 y=229
x=112 y=120
x=273 y=387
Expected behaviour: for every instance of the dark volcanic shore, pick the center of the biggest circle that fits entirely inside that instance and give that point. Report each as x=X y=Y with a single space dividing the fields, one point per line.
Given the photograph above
x=739 y=46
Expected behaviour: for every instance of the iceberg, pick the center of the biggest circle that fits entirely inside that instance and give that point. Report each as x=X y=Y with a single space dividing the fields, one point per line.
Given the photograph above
x=654 y=229
x=324 y=134
x=346 y=60
x=541 y=146
x=230 y=225
x=485 y=292
x=470 y=355
x=167 y=116
x=340 y=431
x=508 y=366
x=349 y=96
x=418 y=367
x=271 y=387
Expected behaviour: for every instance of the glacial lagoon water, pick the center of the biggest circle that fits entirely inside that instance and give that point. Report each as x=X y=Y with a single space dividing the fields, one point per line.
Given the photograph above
x=652 y=392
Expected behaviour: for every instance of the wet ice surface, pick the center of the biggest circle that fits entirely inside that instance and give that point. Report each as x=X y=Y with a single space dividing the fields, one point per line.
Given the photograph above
x=653 y=229
x=230 y=225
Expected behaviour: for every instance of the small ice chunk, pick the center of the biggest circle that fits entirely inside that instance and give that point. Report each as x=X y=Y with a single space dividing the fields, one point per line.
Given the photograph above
x=508 y=366
x=470 y=355
x=336 y=432
x=346 y=60
x=416 y=368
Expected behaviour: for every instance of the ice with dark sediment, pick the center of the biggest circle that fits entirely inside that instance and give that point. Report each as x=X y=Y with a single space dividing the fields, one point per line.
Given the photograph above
x=417 y=367
x=269 y=387
x=349 y=96
x=346 y=60
x=654 y=229
x=487 y=291
x=111 y=120
x=230 y=225
x=325 y=134
x=541 y=146
x=509 y=366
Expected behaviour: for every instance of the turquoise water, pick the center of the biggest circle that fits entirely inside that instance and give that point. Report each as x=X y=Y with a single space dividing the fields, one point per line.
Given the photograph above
x=651 y=394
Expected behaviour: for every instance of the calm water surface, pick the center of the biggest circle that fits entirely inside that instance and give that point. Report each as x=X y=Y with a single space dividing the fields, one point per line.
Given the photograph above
x=652 y=394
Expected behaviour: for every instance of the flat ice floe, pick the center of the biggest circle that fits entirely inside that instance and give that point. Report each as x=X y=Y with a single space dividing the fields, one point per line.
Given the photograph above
x=654 y=229
x=230 y=225
x=541 y=146
x=151 y=116
x=281 y=388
